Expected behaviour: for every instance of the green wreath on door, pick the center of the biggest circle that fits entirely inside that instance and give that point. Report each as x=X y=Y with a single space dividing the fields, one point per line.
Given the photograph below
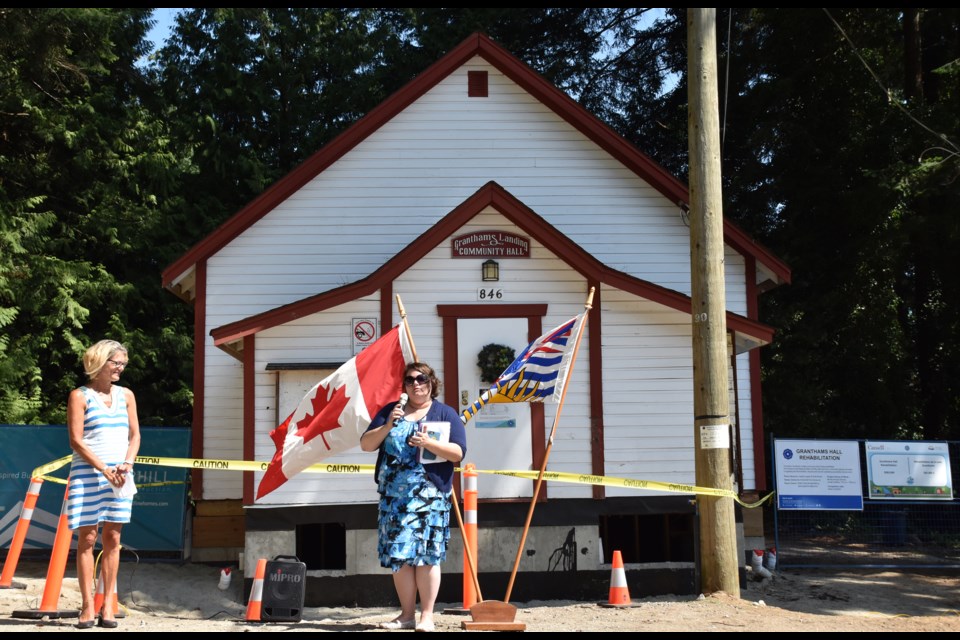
x=493 y=359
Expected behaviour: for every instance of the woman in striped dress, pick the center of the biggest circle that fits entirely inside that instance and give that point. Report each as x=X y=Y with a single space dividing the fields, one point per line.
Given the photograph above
x=105 y=437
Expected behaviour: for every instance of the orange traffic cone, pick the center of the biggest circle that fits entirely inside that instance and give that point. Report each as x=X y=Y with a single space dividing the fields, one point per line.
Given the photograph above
x=619 y=593
x=113 y=602
x=19 y=535
x=55 y=570
x=256 y=592
x=469 y=476
x=98 y=595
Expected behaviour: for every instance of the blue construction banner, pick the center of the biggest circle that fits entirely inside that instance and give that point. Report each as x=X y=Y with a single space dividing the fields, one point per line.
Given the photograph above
x=159 y=511
x=818 y=475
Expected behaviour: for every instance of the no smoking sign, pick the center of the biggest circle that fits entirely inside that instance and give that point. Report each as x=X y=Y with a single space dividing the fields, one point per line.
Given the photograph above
x=364 y=333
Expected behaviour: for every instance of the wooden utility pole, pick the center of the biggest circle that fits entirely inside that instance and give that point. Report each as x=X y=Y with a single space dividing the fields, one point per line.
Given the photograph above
x=719 y=568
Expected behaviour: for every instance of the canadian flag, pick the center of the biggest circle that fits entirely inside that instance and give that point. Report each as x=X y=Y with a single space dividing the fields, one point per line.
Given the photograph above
x=333 y=415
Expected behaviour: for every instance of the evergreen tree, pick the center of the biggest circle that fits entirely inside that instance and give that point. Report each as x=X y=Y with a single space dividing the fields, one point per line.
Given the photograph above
x=839 y=131
x=83 y=168
x=821 y=162
x=254 y=92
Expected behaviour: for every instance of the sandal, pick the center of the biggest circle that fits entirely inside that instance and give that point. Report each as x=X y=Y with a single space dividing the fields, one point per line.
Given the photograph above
x=394 y=625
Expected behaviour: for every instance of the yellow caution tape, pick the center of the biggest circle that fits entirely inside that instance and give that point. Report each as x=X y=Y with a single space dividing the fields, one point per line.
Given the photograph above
x=758 y=503
x=248 y=465
x=50 y=467
x=43 y=472
x=205 y=463
x=160 y=484
x=557 y=476
x=628 y=483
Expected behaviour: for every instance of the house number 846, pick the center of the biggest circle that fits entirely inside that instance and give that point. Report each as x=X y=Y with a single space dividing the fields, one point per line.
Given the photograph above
x=489 y=294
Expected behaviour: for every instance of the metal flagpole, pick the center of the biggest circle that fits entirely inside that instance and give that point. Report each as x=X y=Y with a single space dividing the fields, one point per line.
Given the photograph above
x=543 y=466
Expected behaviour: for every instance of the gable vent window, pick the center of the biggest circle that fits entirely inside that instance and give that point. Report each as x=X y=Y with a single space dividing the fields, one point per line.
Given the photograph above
x=477 y=86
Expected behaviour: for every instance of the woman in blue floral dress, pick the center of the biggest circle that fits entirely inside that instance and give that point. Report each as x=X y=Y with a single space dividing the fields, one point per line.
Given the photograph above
x=414 y=516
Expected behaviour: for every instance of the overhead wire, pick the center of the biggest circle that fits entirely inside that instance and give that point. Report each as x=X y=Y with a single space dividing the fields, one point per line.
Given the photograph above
x=726 y=81
x=954 y=148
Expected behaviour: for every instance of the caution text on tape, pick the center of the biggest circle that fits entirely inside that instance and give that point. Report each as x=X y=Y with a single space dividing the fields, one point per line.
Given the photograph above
x=556 y=476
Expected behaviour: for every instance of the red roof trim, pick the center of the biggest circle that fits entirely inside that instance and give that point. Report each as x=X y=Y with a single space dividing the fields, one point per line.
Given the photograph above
x=249 y=419
x=491 y=194
x=514 y=69
x=315 y=164
x=537 y=310
x=582 y=120
x=747 y=246
x=199 y=371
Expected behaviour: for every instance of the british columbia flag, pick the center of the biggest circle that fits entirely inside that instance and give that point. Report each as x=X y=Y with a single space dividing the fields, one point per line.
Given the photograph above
x=539 y=373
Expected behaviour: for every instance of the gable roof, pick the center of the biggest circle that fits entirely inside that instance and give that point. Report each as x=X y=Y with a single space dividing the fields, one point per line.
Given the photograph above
x=178 y=277
x=493 y=195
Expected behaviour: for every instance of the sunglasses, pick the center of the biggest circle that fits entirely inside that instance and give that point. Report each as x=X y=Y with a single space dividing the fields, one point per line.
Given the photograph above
x=420 y=379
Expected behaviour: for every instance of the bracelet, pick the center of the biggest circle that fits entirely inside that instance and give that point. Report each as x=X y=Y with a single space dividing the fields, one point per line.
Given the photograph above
x=129 y=462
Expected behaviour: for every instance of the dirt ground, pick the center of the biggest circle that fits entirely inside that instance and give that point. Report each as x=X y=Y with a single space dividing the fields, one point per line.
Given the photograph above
x=185 y=597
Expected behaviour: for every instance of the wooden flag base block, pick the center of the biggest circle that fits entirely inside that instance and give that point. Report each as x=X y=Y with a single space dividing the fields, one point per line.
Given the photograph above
x=493 y=626
x=492 y=615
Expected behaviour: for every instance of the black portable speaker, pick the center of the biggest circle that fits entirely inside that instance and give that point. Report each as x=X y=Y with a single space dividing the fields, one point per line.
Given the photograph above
x=283 y=590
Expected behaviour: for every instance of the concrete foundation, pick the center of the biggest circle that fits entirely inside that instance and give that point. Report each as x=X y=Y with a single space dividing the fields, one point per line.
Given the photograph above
x=563 y=555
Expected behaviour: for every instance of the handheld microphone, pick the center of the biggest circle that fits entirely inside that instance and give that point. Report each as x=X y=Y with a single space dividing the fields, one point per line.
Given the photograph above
x=403 y=403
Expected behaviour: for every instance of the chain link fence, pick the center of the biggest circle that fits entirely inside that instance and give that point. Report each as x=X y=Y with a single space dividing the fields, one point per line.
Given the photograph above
x=888 y=533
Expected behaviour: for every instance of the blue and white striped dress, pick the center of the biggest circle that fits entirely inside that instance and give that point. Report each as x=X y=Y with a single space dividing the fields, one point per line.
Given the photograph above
x=106 y=430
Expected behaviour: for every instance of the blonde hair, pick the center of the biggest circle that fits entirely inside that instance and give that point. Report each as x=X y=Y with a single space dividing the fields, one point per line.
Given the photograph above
x=97 y=356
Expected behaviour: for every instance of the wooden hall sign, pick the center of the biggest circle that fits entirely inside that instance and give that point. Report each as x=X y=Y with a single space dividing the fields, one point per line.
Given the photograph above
x=490 y=244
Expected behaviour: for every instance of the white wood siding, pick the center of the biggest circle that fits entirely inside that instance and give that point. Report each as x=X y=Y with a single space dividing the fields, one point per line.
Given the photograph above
x=648 y=395
x=436 y=279
x=647 y=392
x=746 y=422
x=222 y=421
x=390 y=189
x=417 y=168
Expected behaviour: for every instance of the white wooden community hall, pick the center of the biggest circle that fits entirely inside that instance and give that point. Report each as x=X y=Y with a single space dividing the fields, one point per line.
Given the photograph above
x=490 y=203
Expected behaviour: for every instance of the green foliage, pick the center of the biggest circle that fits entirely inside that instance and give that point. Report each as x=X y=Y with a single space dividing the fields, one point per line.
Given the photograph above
x=820 y=161
x=85 y=171
x=493 y=359
x=254 y=92
x=109 y=171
